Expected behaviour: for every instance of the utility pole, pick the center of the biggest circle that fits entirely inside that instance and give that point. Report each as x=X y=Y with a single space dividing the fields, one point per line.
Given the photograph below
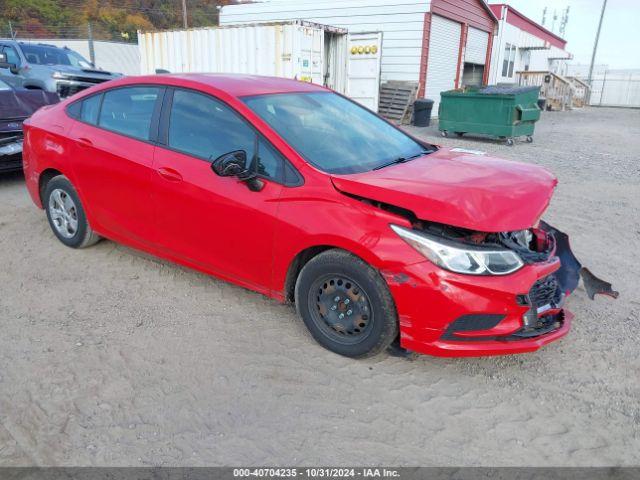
x=595 y=47
x=184 y=13
x=92 y=53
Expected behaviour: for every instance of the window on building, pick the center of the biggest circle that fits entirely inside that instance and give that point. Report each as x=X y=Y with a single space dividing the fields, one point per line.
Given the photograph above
x=509 y=60
x=525 y=59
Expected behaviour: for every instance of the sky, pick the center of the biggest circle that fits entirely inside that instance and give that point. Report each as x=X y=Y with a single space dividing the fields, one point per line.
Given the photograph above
x=619 y=45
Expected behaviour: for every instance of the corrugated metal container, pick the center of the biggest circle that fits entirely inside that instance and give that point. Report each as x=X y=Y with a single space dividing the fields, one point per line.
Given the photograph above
x=285 y=49
x=401 y=21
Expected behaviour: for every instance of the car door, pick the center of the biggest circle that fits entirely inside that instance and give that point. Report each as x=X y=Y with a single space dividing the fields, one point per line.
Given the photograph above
x=215 y=222
x=113 y=160
x=11 y=57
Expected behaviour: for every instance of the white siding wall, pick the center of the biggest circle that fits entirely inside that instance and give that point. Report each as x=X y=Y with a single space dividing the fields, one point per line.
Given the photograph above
x=539 y=59
x=110 y=56
x=401 y=21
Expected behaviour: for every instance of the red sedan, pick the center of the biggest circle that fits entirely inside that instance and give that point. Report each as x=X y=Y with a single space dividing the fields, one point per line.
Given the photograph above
x=298 y=193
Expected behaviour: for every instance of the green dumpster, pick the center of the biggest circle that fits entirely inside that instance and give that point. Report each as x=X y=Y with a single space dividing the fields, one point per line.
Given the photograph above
x=504 y=112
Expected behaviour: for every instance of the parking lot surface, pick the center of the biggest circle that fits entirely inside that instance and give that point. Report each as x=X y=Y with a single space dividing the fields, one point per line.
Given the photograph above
x=111 y=357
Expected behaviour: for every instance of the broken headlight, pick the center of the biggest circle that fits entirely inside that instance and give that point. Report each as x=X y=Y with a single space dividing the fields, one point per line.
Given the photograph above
x=459 y=257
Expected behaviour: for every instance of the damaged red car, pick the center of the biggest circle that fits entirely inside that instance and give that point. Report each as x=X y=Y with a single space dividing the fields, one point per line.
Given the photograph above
x=296 y=192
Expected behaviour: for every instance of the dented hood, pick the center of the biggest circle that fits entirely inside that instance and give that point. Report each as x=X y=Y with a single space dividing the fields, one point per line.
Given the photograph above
x=458 y=188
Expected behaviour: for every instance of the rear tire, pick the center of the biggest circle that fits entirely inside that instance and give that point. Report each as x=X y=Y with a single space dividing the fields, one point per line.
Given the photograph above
x=66 y=215
x=346 y=304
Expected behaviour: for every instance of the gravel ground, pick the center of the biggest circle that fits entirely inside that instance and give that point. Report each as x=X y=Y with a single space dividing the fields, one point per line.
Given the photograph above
x=110 y=357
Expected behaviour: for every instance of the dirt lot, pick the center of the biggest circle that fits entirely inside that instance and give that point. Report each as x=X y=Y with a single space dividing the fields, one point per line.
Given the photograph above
x=109 y=357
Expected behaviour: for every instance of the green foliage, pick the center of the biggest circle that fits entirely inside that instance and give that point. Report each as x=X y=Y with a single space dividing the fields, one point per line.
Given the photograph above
x=110 y=19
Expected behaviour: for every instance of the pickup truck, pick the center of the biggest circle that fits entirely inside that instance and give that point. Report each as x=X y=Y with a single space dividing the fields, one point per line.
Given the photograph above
x=39 y=66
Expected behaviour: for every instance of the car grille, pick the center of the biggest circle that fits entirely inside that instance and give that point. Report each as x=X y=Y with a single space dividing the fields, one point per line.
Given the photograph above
x=78 y=78
x=545 y=291
x=67 y=90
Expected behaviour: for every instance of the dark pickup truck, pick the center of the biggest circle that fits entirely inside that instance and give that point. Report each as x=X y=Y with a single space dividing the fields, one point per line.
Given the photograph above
x=16 y=105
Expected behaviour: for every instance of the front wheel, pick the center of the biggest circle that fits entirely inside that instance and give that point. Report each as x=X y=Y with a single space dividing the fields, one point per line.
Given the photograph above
x=66 y=215
x=346 y=304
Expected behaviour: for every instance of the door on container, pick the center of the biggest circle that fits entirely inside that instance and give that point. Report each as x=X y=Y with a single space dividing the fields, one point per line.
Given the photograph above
x=311 y=55
x=442 y=66
x=475 y=57
x=363 y=69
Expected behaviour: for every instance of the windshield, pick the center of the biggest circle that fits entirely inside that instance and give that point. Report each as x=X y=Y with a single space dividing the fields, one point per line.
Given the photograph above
x=4 y=86
x=44 y=55
x=333 y=133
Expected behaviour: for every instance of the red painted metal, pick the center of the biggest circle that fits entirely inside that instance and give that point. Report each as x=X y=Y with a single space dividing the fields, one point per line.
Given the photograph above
x=487 y=62
x=517 y=19
x=461 y=189
x=173 y=206
x=476 y=13
x=463 y=44
x=424 y=54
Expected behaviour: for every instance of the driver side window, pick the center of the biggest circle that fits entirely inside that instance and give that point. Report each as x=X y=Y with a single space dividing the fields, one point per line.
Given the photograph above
x=205 y=128
x=201 y=126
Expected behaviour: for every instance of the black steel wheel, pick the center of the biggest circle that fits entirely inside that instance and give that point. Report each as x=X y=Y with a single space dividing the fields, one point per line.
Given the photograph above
x=346 y=304
x=340 y=308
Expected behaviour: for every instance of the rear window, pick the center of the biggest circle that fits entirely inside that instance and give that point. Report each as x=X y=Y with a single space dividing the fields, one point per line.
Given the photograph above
x=90 y=108
x=129 y=111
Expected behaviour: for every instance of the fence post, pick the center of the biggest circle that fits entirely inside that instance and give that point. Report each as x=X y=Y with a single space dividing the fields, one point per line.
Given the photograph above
x=92 y=53
x=604 y=82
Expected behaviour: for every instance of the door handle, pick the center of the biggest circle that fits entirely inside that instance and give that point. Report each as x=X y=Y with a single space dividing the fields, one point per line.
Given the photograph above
x=85 y=142
x=169 y=174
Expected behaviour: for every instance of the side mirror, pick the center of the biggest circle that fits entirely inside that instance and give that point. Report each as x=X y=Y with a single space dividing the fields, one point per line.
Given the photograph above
x=232 y=164
x=13 y=68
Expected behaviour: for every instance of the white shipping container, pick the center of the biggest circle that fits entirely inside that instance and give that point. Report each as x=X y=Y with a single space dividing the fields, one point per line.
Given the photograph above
x=294 y=49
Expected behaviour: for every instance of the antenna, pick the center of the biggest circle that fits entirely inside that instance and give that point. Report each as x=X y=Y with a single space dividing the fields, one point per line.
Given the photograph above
x=555 y=17
x=564 y=21
x=544 y=16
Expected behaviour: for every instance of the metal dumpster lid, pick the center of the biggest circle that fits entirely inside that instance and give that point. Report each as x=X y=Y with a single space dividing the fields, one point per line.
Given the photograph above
x=504 y=90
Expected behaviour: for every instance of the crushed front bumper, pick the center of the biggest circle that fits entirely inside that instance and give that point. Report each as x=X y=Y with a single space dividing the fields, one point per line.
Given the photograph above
x=448 y=314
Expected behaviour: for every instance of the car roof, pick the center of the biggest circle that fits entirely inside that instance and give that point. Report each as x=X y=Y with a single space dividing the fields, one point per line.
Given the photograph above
x=233 y=84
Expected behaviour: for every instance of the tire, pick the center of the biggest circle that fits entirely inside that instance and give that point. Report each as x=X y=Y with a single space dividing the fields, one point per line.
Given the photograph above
x=444 y=133
x=529 y=139
x=369 y=321
x=66 y=215
x=509 y=142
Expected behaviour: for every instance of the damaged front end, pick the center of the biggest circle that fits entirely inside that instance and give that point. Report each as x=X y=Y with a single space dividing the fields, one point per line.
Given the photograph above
x=469 y=252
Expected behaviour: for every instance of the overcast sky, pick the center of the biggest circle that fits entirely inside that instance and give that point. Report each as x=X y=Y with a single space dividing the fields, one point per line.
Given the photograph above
x=619 y=45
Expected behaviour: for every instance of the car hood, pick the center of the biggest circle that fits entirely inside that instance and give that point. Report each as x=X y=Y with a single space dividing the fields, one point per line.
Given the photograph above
x=459 y=188
x=20 y=103
x=82 y=72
